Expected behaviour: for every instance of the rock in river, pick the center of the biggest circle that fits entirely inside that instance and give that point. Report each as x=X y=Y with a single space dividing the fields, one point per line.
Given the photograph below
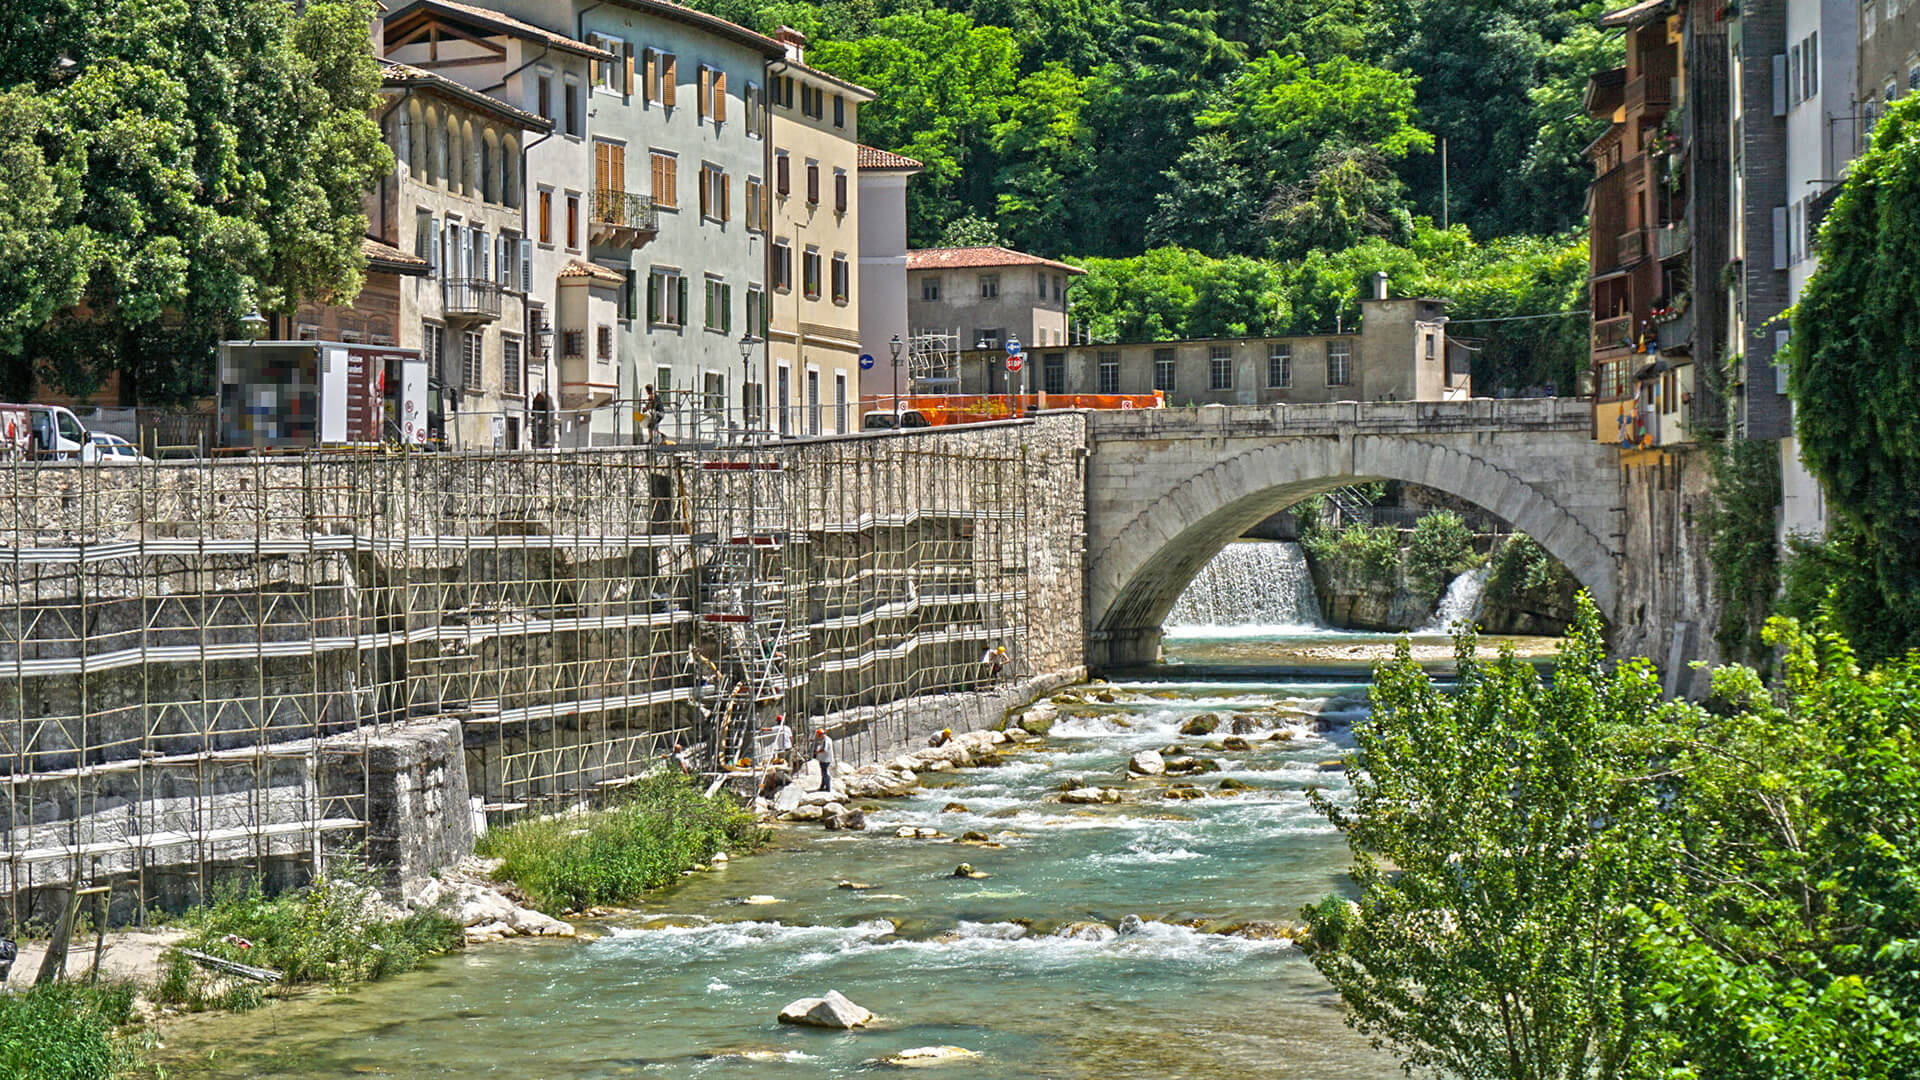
x=928 y=1055
x=1147 y=763
x=1091 y=795
x=831 y=1011
x=1200 y=725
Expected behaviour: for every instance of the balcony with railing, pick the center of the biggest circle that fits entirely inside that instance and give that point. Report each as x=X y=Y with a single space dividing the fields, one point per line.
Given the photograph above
x=1670 y=241
x=471 y=298
x=1614 y=333
x=622 y=218
x=1630 y=247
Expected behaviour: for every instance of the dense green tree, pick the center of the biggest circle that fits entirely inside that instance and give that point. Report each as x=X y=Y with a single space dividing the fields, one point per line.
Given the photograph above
x=44 y=256
x=1045 y=150
x=1302 y=146
x=1478 y=64
x=1176 y=293
x=220 y=152
x=1853 y=367
x=1498 y=854
x=944 y=86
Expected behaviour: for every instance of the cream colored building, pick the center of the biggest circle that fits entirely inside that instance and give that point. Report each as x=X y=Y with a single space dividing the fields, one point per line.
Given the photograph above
x=810 y=207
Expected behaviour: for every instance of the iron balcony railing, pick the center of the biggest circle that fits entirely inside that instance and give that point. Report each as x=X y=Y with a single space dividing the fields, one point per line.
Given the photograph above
x=625 y=210
x=472 y=297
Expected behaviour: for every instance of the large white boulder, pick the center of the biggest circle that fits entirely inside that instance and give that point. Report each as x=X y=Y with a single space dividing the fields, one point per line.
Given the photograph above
x=830 y=1011
x=1084 y=795
x=1147 y=763
x=928 y=1055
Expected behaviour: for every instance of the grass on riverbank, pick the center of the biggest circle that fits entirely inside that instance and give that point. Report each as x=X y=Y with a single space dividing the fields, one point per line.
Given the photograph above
x=663 y=825
x=335 y=931
x=66 y=1031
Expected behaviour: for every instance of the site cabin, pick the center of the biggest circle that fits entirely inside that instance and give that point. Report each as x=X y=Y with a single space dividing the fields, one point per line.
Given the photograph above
x=42 y=431
x=294 y=394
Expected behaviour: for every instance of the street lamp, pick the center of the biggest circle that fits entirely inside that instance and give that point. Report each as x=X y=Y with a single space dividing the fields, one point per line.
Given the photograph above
x=895 y=346
x=255 y=323
x=982 y=346
x=747 y=344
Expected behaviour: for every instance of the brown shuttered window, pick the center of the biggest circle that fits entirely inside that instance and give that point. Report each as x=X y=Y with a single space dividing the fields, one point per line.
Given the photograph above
x=719 y=97
x=840 y=192
x=813 y=184
x=782 y=177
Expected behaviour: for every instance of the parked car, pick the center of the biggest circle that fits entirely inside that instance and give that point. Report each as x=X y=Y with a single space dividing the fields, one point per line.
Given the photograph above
x=105 y=446
x=883 y=421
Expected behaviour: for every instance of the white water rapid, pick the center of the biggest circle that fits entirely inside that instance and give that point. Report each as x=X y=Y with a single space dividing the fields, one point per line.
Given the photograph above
x=1251 y=587
x=1460 y=604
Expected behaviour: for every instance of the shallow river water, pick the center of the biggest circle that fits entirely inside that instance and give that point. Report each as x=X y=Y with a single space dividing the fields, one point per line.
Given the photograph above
x=690 y=985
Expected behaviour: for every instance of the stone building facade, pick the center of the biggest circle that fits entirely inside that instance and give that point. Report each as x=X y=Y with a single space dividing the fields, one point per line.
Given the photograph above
x=812 y=211
x=989 y=294
x=1399 y=353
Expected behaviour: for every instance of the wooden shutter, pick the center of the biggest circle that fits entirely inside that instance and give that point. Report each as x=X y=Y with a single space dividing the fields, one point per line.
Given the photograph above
x=651 y=66
x=628 y=49
x=526 y=265
x=840 y=192
x=705 y=174
x=602 y=166
x=782 y=175
x=726 y=309
x=719 y=97
x=546 y=217
x=813 y=184
x=681 y=319
x=670 y=77
x=617 y=168
x=706 y=89
x=726 y=198
x=653 y=298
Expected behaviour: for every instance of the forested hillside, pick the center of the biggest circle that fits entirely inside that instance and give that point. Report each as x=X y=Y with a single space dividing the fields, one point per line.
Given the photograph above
x=1240 y=167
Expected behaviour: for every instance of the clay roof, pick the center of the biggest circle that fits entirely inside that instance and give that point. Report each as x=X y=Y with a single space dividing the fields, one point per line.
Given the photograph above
x=575 y=268
x=970 y=257
x=506 y=24
x=388 y=257
x=393 y=74
x=1634 y=15
x=875 y=158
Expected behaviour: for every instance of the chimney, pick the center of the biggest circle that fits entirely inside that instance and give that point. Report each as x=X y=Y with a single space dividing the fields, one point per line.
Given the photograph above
x=1379 y=284
x=795 y=41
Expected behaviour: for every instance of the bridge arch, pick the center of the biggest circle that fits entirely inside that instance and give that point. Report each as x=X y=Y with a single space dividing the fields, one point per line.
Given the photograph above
x=1148 y=548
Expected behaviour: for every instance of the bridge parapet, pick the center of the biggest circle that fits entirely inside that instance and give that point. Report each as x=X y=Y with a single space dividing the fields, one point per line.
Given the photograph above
x=1336 y=417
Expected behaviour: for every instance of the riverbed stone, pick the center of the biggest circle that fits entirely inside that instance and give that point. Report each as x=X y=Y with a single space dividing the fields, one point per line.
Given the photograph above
x=787 y=799
x=1235 y=742
x=966 y=870
x=808 y=812
x=955 y=808
x=1230 y=784
x=832 y=1010
x=1200 y=725
x=1084 y=795
x=1183 y=791
x=928 y=1055
x=1147 y=763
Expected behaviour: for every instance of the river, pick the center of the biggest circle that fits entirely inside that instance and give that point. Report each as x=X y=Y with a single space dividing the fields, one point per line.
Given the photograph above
x=689 y=985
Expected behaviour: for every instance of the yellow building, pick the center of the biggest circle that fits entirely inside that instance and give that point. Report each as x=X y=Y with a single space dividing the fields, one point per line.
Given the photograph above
x=810 y=206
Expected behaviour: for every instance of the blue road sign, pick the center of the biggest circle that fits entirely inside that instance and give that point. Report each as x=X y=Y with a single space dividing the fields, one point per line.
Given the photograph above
x=1013 y=346
x=866 y=361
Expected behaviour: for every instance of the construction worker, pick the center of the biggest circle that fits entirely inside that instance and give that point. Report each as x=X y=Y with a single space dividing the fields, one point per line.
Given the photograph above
x=823 y=753
x=782 y=743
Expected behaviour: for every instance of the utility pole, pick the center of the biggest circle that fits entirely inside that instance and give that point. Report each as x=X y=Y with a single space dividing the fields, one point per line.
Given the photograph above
x=1443 y=185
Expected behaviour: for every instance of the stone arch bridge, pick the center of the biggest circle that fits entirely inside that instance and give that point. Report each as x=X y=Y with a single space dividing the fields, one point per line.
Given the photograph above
x=1168 y=488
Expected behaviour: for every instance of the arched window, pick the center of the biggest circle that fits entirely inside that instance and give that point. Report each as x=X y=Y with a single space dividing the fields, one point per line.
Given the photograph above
x=510 y=172
x=416 y=156
x=436 y=149
x=487 y=192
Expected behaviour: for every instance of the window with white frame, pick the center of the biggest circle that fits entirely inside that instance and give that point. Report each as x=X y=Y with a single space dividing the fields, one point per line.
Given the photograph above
x=719 y=305
x=1220 y=367
x=810 y=273
x=471 y=353
x=510 y=365
x=666 y=298
x=1163 y=370
x=840 y=402
x=813 y=401
x=1279 y=366
x=989 y=286
x=842 y=279
x=1109 y=371
x=1339 y=363
x=433 y=349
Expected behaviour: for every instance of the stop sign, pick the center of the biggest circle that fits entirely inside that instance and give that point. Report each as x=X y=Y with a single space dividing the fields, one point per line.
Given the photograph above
x=1014 y=362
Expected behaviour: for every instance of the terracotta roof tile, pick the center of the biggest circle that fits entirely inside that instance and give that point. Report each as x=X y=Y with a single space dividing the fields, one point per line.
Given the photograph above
x=387 y=255
x=970 y=257
x=393 y=73
x=875 y=158
x=575 y=268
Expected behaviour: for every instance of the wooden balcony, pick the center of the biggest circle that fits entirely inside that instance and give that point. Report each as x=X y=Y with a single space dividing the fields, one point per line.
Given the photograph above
x=1630 y=247
x=1671 y=241
x=1610 y=334
x=622 y=219
x=1648 y=92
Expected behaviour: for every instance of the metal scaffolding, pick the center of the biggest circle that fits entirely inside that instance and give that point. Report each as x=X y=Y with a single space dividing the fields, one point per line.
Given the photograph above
x=197 y=656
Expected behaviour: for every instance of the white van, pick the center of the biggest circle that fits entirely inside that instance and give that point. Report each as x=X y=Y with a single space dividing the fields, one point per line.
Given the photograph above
x=41 y=431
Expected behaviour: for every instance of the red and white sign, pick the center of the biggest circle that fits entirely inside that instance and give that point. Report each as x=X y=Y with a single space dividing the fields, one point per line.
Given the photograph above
x=1014 y=362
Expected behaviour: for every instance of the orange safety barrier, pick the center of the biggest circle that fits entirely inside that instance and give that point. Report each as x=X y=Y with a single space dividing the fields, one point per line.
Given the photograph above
x=978 y=408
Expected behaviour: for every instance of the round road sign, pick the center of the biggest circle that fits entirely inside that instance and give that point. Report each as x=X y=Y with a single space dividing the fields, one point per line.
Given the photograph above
x=1014 y=363
x=1013 y=346
x=866 y=361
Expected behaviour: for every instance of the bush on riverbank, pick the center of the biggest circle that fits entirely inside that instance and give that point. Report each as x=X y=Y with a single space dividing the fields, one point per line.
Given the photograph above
x=1439 y=549
x=65 y=1031
x=664 y=825
x=336 y=931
